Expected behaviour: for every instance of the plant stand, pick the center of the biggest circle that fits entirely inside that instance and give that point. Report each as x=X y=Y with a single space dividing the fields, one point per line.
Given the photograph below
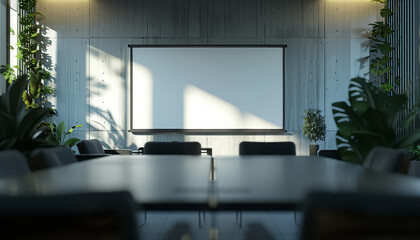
x=313 y=150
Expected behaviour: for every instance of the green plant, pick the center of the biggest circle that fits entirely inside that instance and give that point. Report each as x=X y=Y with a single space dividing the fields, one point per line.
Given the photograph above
x=415 y=151
x=58 y=135
x=27 y=49
x=381 y=61
x=17 y=124
x=369 y=119
x=314 y=125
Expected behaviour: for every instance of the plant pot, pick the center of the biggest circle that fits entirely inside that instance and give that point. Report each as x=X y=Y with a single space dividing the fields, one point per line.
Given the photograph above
x=313 y=149
x=414 y=168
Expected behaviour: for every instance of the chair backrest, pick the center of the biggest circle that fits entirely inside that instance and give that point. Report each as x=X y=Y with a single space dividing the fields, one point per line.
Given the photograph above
x=387 y=160
x=331 y=216
x=184 y=148
x=267 y=148
x=42 y=158
x=65 y=217
x=329 y=154
x=92 y=146
x=12 y=163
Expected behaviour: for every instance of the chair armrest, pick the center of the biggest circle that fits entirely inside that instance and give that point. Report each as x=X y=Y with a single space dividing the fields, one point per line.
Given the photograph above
x=139 y=151
x=118 y=151
x=209 y=151
x=84 y=157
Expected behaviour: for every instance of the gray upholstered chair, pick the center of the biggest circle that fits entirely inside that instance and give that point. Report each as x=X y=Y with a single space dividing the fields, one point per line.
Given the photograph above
x=42 y=158
x=387 y=160
x=12 y=163
x=331 y=216
x=267 y=148
x=74 y=216
x=329 y=154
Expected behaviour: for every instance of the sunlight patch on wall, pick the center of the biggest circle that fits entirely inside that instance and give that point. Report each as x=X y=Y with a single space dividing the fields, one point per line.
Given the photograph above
x=108 y=92
x=143 y=84
x=204 y=109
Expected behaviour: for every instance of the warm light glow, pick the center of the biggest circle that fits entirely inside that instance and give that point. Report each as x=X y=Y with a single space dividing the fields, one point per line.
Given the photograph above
x=204 y=109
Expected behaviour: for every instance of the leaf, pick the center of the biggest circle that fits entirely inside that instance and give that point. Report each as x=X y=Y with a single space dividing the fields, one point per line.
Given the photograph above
x=60 y=130
x=409 y=140
x=71 y=142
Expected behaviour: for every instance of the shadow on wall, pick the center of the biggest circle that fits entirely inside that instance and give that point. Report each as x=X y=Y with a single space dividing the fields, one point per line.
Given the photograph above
x=113 y=138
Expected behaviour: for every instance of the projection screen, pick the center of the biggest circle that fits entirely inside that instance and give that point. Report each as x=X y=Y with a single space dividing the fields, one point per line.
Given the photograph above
x=222 y=89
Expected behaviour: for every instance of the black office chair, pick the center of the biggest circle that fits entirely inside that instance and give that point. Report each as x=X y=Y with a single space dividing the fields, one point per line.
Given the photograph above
x=329 y=154
x=387 y=160
x=67 y=217
x=267 y=148
x=264 y=148
x=184 y=148
x=12 y=163
x=92 y=146
x=176 y=148
x=43 y=158
x=332 y=216
x=90 y=149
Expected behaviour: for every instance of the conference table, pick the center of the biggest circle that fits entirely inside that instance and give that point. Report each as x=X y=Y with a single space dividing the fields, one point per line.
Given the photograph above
x=180 y=182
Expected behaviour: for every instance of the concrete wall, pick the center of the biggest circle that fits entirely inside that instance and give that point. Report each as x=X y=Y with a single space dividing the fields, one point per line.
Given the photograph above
x=89 y=59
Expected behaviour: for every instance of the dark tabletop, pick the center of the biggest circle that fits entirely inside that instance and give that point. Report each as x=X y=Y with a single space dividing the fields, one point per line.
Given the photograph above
x=179 y=182
x=282 y=182
x=155 y=181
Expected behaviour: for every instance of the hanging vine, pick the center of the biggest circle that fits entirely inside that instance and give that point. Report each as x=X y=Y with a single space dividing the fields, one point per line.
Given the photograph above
x=381 y=61
x=28 y=55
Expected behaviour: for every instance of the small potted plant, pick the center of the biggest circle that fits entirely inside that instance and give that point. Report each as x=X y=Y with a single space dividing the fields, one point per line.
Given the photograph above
x=314 y=128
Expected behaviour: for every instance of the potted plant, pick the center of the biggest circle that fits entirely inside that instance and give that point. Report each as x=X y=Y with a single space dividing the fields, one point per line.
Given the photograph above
x=314 y=128
x=18 y=128
x=370 y=118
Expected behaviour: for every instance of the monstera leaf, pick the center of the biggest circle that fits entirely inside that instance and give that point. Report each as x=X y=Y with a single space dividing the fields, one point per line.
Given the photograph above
x=17 y=124
x=369 y=119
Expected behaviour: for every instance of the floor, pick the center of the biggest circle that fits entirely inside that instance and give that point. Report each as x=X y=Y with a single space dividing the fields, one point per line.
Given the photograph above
x=255 y=225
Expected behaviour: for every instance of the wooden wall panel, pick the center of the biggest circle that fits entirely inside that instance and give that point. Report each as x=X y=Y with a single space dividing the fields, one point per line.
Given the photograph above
x=123 y=18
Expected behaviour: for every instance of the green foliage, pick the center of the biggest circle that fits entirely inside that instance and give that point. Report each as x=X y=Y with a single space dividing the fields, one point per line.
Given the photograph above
x=28 y=47
x=381 y=49
x=314 y=125
x=17 y=124
x=58 y=134
x=369 y=119
x=415 y=151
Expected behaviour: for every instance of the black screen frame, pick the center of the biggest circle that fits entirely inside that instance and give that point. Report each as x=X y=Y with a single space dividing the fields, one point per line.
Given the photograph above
x=236 y=131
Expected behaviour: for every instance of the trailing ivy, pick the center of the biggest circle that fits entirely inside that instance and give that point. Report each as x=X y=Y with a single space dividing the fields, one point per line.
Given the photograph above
x=27 y=51
x=381 y=62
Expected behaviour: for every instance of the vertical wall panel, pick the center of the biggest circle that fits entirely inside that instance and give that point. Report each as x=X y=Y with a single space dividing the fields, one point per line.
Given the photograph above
x=274 y=20
x=304 y=82
x=68 y=75
x=65 y=18
x=173 y=18
x=123 y=18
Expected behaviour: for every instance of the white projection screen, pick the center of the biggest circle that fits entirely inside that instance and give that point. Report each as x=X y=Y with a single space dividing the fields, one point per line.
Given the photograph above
x=205 y=89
